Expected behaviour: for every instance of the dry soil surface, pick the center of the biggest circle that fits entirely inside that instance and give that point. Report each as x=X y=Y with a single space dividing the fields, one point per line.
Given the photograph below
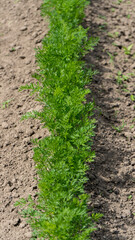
x=112 y=176
x=21 y=30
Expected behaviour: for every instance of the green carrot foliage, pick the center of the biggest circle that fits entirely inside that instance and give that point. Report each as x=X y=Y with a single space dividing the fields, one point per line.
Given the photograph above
x=60 y=212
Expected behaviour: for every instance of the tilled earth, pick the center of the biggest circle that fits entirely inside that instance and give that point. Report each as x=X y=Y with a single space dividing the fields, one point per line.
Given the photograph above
x=112 y=176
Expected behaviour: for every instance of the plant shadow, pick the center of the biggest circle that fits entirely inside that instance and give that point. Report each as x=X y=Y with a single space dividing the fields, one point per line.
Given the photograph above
x=105 y=183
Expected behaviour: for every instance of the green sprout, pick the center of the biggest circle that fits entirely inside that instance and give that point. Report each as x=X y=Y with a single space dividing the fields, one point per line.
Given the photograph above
x=128 y=16
x=132 y=97
x=121 y=78
x=113 y=9
x=130 y=197
x=5 y=104
x=111 y=57
x=132 y=126
x=102 y=17
x=113 y=35
x=12 y=49
x=103 y=26
x=127 y=50
x=119 y=1
x=119 y=128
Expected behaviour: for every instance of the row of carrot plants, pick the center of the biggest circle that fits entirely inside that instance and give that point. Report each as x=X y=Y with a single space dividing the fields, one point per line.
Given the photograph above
x=60 y=211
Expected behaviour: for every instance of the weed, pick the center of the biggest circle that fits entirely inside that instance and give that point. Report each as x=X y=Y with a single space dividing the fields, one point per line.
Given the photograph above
x=111 y=57
x=127 y=50
x=132 y=126
x=113 y=35
x=119 y=1
x=128 y=16
x=113 y=9
x=121 y=78
x=132 y=97
x=130 y=197
x=5 y=104
x=102 y=17
x=103 y=26
x=12 y=49
x=119 y=128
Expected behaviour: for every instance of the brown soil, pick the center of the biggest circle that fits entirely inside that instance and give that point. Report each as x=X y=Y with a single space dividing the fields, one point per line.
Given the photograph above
x=21 y=30
x=112 y=175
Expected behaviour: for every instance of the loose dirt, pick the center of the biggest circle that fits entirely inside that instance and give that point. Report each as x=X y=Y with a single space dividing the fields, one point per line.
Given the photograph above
x=21 y=30
x=112 y=176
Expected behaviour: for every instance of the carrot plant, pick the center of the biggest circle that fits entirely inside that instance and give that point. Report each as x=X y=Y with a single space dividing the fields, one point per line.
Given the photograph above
x=60 y=211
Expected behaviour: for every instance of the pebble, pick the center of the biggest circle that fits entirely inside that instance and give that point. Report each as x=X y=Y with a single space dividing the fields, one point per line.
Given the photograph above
x=16 y=221
x=23 y=28
x=133 y=65
x=18 y=47
x=22 y=57
x=125 y=213
x=4 y=125
x=29 y=132
x=118 y=44
x=28 y=234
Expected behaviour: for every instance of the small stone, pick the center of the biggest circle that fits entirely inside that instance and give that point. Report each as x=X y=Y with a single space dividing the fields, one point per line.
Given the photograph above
x=16 y=221
x=23 y=28
x=29 y=132
x=22 y=57
x=28 y=62
x=133 y=65
x=38 y=41
x=125 y=213
x=1 y=67
x=34 y=35
x=4 y=125
x=18 y=47
x=118 y=44
x=28 y=235
x=7 y=143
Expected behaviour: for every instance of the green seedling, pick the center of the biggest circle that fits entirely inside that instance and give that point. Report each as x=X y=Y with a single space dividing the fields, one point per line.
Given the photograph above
x=102 y=17
x=113 y=35
x=125 y=90
x=132 y=126
x=121 y=78
x=133 y=56
x=116 y=113
x=119 y=128
x=127 y=50
x=132 y=97
x=5 y=104
x=119 y=1
x=113 y=9
x=112 y=57
x=128 y=16
x=103 y=26
x=12 y=49
x=130 y=197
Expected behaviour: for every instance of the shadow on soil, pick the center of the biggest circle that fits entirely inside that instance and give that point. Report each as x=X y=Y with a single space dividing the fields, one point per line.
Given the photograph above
x=104 y=184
